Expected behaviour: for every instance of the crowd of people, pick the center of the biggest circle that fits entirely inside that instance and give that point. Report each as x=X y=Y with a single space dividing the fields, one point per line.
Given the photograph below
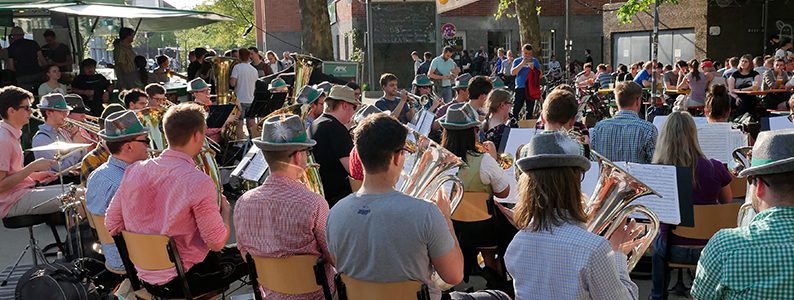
x=362 y=226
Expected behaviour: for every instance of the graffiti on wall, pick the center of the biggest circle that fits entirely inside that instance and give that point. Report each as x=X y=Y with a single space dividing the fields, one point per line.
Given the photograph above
x=784 y=30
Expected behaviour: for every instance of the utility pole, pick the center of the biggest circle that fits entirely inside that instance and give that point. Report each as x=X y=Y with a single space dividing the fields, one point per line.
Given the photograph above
x=654 y=55
x=370 y=48
x=568 y=42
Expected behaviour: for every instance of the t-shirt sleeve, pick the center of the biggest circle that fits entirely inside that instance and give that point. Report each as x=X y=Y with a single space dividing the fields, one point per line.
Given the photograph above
x=516 y=62
x=440 y=240
x=235 y=72
x=721 y=173
x=492 y=174
x=342 y=145
x=537 y=64
x=434 y=64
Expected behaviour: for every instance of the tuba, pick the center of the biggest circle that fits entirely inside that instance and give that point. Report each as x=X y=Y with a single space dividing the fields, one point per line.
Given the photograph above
x=304 y=66
x=221 y=70
x=610 y=206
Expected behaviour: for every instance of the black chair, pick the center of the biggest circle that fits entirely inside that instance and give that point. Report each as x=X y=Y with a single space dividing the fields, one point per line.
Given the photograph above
x=29 y=221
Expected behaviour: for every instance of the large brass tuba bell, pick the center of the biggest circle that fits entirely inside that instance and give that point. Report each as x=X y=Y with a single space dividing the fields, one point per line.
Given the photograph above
x=304 y=66
x=610 y=206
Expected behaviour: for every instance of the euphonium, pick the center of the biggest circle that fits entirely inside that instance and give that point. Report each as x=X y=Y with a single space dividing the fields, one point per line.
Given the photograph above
x=610 y=206
x=304 y=66
x=505 y=160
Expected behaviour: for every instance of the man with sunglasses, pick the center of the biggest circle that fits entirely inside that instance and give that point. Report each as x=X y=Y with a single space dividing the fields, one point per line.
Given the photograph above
x=755 y=261
x=282 y=217
x=18 y=193
x=128 y=142
x=334 y=143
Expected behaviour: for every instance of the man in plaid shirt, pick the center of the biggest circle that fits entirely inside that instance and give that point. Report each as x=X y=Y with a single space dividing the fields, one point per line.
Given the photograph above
x=282 y=218
x=756 y=261
x=625 y=137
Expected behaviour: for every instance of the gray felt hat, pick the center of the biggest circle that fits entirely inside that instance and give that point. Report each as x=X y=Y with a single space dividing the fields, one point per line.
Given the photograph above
x=54 y=101
x=551 y=149
x=122 y=125
x=284 y=133
x=460 y=116
x=773 y=153
x=462 y=82
x=308 y=94
x=365 y=112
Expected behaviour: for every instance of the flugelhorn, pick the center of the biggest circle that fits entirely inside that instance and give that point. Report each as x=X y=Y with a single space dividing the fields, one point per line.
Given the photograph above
x=610 y=206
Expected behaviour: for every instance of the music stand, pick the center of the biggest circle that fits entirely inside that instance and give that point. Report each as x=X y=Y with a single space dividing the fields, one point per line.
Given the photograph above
x=218 y=114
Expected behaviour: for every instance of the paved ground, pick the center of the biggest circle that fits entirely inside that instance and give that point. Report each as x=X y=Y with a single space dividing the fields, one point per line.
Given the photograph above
x=13 y=241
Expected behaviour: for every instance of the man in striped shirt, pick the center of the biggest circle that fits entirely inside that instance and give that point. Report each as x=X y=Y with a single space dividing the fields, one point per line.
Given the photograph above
x=625 y=137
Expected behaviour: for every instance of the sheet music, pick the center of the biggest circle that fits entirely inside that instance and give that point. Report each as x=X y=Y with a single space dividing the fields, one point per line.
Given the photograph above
x=662 y=179
x=777 y=123
x=658 y=121
x=718 y=140
x=515 y=138
x=252 y=166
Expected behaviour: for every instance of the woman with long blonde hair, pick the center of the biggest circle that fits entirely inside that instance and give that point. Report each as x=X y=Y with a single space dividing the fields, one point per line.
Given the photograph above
x=554 y=256
x=499 y=103
x=678 y=146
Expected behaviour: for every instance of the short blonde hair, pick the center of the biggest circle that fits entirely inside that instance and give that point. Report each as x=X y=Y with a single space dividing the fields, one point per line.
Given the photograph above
x=627 y=92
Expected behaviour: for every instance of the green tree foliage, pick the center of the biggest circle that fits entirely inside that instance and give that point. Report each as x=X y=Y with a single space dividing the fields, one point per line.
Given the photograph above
x=222 y=35
x=632 y=7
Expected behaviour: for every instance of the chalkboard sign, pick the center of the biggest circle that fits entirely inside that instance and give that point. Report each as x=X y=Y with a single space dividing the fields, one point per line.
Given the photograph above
x=404 y=23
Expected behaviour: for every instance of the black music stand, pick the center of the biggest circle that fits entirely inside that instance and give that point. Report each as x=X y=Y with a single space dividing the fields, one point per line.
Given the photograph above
x=218 y=115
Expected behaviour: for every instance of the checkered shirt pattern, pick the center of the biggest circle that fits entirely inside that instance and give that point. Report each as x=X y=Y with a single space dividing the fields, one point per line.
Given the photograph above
x=567 y=262
x=624 y=137
x=751 y=262
x=282 y=218
x=168 y=195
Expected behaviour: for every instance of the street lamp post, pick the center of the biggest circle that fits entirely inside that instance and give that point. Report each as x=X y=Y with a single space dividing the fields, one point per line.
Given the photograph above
x=655 y=55
x=370 y=48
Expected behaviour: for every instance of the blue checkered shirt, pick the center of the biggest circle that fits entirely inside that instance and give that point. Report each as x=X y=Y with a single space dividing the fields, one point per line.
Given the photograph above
x=567 y=262
x=624 y=137
x=100 y=189
x=751 y=262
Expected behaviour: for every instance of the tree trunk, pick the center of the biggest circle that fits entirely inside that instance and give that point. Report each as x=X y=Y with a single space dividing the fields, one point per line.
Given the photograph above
x=316 y=29
x=528 y=26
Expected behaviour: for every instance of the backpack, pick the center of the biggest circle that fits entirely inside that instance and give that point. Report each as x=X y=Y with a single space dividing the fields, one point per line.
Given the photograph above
x=55 y=281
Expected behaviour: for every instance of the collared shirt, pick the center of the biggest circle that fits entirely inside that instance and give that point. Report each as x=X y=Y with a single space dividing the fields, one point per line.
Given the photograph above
x=167 y=195
x=624 y=137
x=584 y=265
x=751 y=262
x=48 y=135
x=11 y=161
x=282 y=218
x=101 y=187
x=92 y=161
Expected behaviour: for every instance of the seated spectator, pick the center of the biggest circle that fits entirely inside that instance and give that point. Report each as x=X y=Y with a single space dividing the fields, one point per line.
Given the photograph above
x=52 y=85
x=696 y=82
x=776 y=78
x=718 y=104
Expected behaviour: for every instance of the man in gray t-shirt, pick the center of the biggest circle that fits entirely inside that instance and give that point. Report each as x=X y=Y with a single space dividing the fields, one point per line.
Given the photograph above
x=381 y=235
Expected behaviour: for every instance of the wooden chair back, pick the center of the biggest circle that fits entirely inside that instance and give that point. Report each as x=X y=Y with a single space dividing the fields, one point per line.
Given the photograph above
x=354 y=184
x=527 y=123
x=354 y=289
x=99 y=225
x=473 y=207
x=738 y=187
x=148 y=251
x=292 y=275
x=708 y=220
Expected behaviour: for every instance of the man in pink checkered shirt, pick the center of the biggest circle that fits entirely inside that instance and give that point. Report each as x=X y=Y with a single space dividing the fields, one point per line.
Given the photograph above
x=167 y=195
x=282 y=217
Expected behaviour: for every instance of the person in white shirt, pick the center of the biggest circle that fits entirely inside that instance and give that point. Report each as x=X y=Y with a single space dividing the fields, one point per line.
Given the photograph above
x=784 y=51
x=554 y=256
x=243 y=79
x=275 y=64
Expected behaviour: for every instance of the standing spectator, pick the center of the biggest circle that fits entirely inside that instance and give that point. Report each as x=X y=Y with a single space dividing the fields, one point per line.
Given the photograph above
x=52 y=85
x=243 y=79
x=498 y=61
x=275 y=64
x=744 y=79
x=444 y=68
x=587 y=57
x=287 y=59
x=425 y=65
x=92 y=86
x=625 y=137
x=26 y=59
x=56 y=52
x=527 y=71
x=199 y=68
x=417 y=61
x=256 y=60
x=467 y=65
x=506 y=67
x=124 y=59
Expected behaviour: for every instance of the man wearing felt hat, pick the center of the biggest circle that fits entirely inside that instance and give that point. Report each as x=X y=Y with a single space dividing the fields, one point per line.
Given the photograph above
x=128 y=142
x=274 y=218
x=78 y=112
x=755 y=261
x=312 y=100
x=278 y=85
x=201 y=95
x=550 y=215
x=100 y=154
x=54 y=110
x=334 y=142
x=422 y=85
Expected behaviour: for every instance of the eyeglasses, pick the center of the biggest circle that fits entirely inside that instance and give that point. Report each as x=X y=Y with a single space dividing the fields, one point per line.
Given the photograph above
x=406 y=149
x=143 y=141
x=25 y=107
x=752 y=180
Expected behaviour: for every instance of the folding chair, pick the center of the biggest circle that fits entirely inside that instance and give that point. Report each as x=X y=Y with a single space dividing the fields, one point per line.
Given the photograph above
x=294 y=275
x=353 y=289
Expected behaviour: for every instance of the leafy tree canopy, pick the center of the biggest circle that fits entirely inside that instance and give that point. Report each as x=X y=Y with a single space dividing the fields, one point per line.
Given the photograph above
x=222 y=35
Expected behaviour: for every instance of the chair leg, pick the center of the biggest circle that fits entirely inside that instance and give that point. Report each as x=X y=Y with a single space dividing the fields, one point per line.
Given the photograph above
x=57 y=237
x=680 y=288
x=5 y=281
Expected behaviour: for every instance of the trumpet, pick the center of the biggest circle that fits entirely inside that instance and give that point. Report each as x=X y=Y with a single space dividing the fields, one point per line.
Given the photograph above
x=505 y=160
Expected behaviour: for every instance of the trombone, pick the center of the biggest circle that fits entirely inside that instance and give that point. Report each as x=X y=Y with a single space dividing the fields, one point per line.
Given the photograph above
x=91 y=127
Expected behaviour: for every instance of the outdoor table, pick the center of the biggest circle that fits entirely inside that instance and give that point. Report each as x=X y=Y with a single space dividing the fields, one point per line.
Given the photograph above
x=762 y=92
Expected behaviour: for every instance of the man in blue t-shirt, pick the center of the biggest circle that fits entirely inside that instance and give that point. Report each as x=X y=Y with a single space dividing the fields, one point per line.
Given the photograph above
x=445 y=69
x=521 y=68
x=644 y=77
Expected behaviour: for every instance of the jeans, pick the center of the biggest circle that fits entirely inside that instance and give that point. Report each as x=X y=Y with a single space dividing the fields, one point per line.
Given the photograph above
x=660 y=272
x=446 y=93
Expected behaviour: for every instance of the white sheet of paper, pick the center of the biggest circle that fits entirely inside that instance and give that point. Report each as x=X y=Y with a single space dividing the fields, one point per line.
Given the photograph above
x=425 y=122
x=257 y=167
x=516 y=138
x=718 y=140
x=776 y=123
x=658 y=121
x=662 y=179
x=590 y=179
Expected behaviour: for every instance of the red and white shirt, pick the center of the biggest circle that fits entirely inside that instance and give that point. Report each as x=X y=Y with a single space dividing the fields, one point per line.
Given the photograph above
x=12 y=161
